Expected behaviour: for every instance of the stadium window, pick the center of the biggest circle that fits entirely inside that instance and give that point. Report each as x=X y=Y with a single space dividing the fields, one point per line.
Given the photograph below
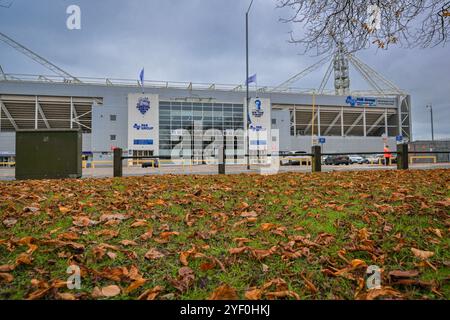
x=274 y=122
x=112 y=117
x=112 y=137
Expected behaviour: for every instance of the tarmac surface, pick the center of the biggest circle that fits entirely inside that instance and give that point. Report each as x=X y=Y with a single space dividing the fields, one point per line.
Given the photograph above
x=101 y=172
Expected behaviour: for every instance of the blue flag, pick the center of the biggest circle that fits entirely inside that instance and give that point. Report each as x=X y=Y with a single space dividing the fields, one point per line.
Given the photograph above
x=251 y=79
x=141 y=77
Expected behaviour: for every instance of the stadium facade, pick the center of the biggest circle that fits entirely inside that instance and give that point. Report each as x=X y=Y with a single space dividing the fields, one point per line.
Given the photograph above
x=115 y=113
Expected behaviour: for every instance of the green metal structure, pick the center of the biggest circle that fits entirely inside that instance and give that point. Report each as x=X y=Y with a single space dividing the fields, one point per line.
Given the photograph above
x=48 y=154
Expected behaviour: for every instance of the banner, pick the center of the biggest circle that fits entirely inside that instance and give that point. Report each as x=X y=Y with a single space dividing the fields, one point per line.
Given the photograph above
x=143 y=122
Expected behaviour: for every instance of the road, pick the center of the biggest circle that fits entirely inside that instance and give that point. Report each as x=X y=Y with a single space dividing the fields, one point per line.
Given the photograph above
x=8 y=173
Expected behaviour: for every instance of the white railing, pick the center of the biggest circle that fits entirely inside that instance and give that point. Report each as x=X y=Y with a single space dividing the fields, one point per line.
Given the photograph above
x=174 y=85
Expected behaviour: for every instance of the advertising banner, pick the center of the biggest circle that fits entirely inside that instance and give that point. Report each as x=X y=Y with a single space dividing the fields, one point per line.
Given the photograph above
x=259 y=113
x=143 y=122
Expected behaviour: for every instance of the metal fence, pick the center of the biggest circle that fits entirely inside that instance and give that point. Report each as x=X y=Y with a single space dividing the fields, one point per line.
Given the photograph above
x=403 y=159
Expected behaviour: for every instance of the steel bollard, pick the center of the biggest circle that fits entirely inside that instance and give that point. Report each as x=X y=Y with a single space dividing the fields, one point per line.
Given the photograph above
x=117 y=162
x=222 y=159
x=402 y=156
x=316 y=159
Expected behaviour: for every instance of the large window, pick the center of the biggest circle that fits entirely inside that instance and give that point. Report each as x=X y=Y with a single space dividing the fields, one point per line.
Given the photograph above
x=199 y=119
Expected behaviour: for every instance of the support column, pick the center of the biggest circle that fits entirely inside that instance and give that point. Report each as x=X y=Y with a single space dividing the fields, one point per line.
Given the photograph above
x=295 y=121
x=342 y=121
x=36 y=112
x=386 y=123
x=318 y=121
x=71 y=113
x=364 y=122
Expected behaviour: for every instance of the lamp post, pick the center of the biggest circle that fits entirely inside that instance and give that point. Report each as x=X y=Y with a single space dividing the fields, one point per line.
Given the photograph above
x=246 y=82
x=430 y=106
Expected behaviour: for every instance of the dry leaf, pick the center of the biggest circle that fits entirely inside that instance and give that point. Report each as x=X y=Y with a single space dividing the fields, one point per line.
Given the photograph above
x=153 y=254
x=224 y=292
x=110 y=291
x=421 y=254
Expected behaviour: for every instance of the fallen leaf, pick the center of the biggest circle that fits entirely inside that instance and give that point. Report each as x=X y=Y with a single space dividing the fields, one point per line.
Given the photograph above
x=110 y=291
x=9 y=222
x=63 y=209
x=151 y=294
x=404 y=274
x=422 y=254
x=127 y=243
x=6 y=277
x=136 y=284
x=139 y=223
x=254 y=294
x=66 y=296
x=153 y=254
x=224 y=292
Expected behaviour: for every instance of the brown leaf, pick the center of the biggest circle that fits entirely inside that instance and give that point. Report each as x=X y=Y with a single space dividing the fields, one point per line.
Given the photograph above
x=250 y=214
x=111 y=255
x=9 y=222
x=147 y=235
x=6 y=277
x=282 y=294
x=207 y=266
x=153 y=254
x=7 y=267
x=63 y=209
x=110 y=291
x=109 y=234
x=96 y=293
x=421 y=254
x=23 y=258
x=309 y=284
x=268 y=226
x=65 y=296
x=238 y=250
x=404 y=274
x=254 y=294
x=166 y=235
x=377 y=293
x=224 y=292
x=139 y=223
x=151 y=294
x=136 y=284
x=128 y=243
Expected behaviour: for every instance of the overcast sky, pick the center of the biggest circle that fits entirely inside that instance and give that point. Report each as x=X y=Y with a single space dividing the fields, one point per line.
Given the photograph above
x=203 y=41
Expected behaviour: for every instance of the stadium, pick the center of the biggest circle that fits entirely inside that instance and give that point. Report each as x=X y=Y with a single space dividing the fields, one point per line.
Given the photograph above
x=150 y=118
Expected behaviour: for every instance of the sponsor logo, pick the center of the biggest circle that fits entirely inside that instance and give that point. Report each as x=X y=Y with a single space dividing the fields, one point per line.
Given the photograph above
x=360 y=101
x=143 y=126
x=143 y=105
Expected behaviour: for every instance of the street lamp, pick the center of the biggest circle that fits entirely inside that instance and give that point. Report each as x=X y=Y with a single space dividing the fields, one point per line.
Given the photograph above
x=246 y=82
x=430 y=106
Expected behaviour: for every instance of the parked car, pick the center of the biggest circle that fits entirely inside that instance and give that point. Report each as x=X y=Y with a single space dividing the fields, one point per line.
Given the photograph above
x=337 y=160
x=375 y=158
x=358 y=159
x=295 y=158
x=149 y=164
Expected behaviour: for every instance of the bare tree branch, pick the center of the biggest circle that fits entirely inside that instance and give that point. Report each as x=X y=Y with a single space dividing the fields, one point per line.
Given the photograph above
x=409 y=23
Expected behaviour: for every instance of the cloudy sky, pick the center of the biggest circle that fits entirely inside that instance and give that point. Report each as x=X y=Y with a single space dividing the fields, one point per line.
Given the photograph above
x=203 y=41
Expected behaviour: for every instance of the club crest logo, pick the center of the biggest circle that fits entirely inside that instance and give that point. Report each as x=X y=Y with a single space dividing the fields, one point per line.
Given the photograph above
x=143 y=105
x=258 y=111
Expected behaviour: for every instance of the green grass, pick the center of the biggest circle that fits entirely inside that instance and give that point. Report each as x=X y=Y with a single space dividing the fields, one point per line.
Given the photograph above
x=389 y=207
